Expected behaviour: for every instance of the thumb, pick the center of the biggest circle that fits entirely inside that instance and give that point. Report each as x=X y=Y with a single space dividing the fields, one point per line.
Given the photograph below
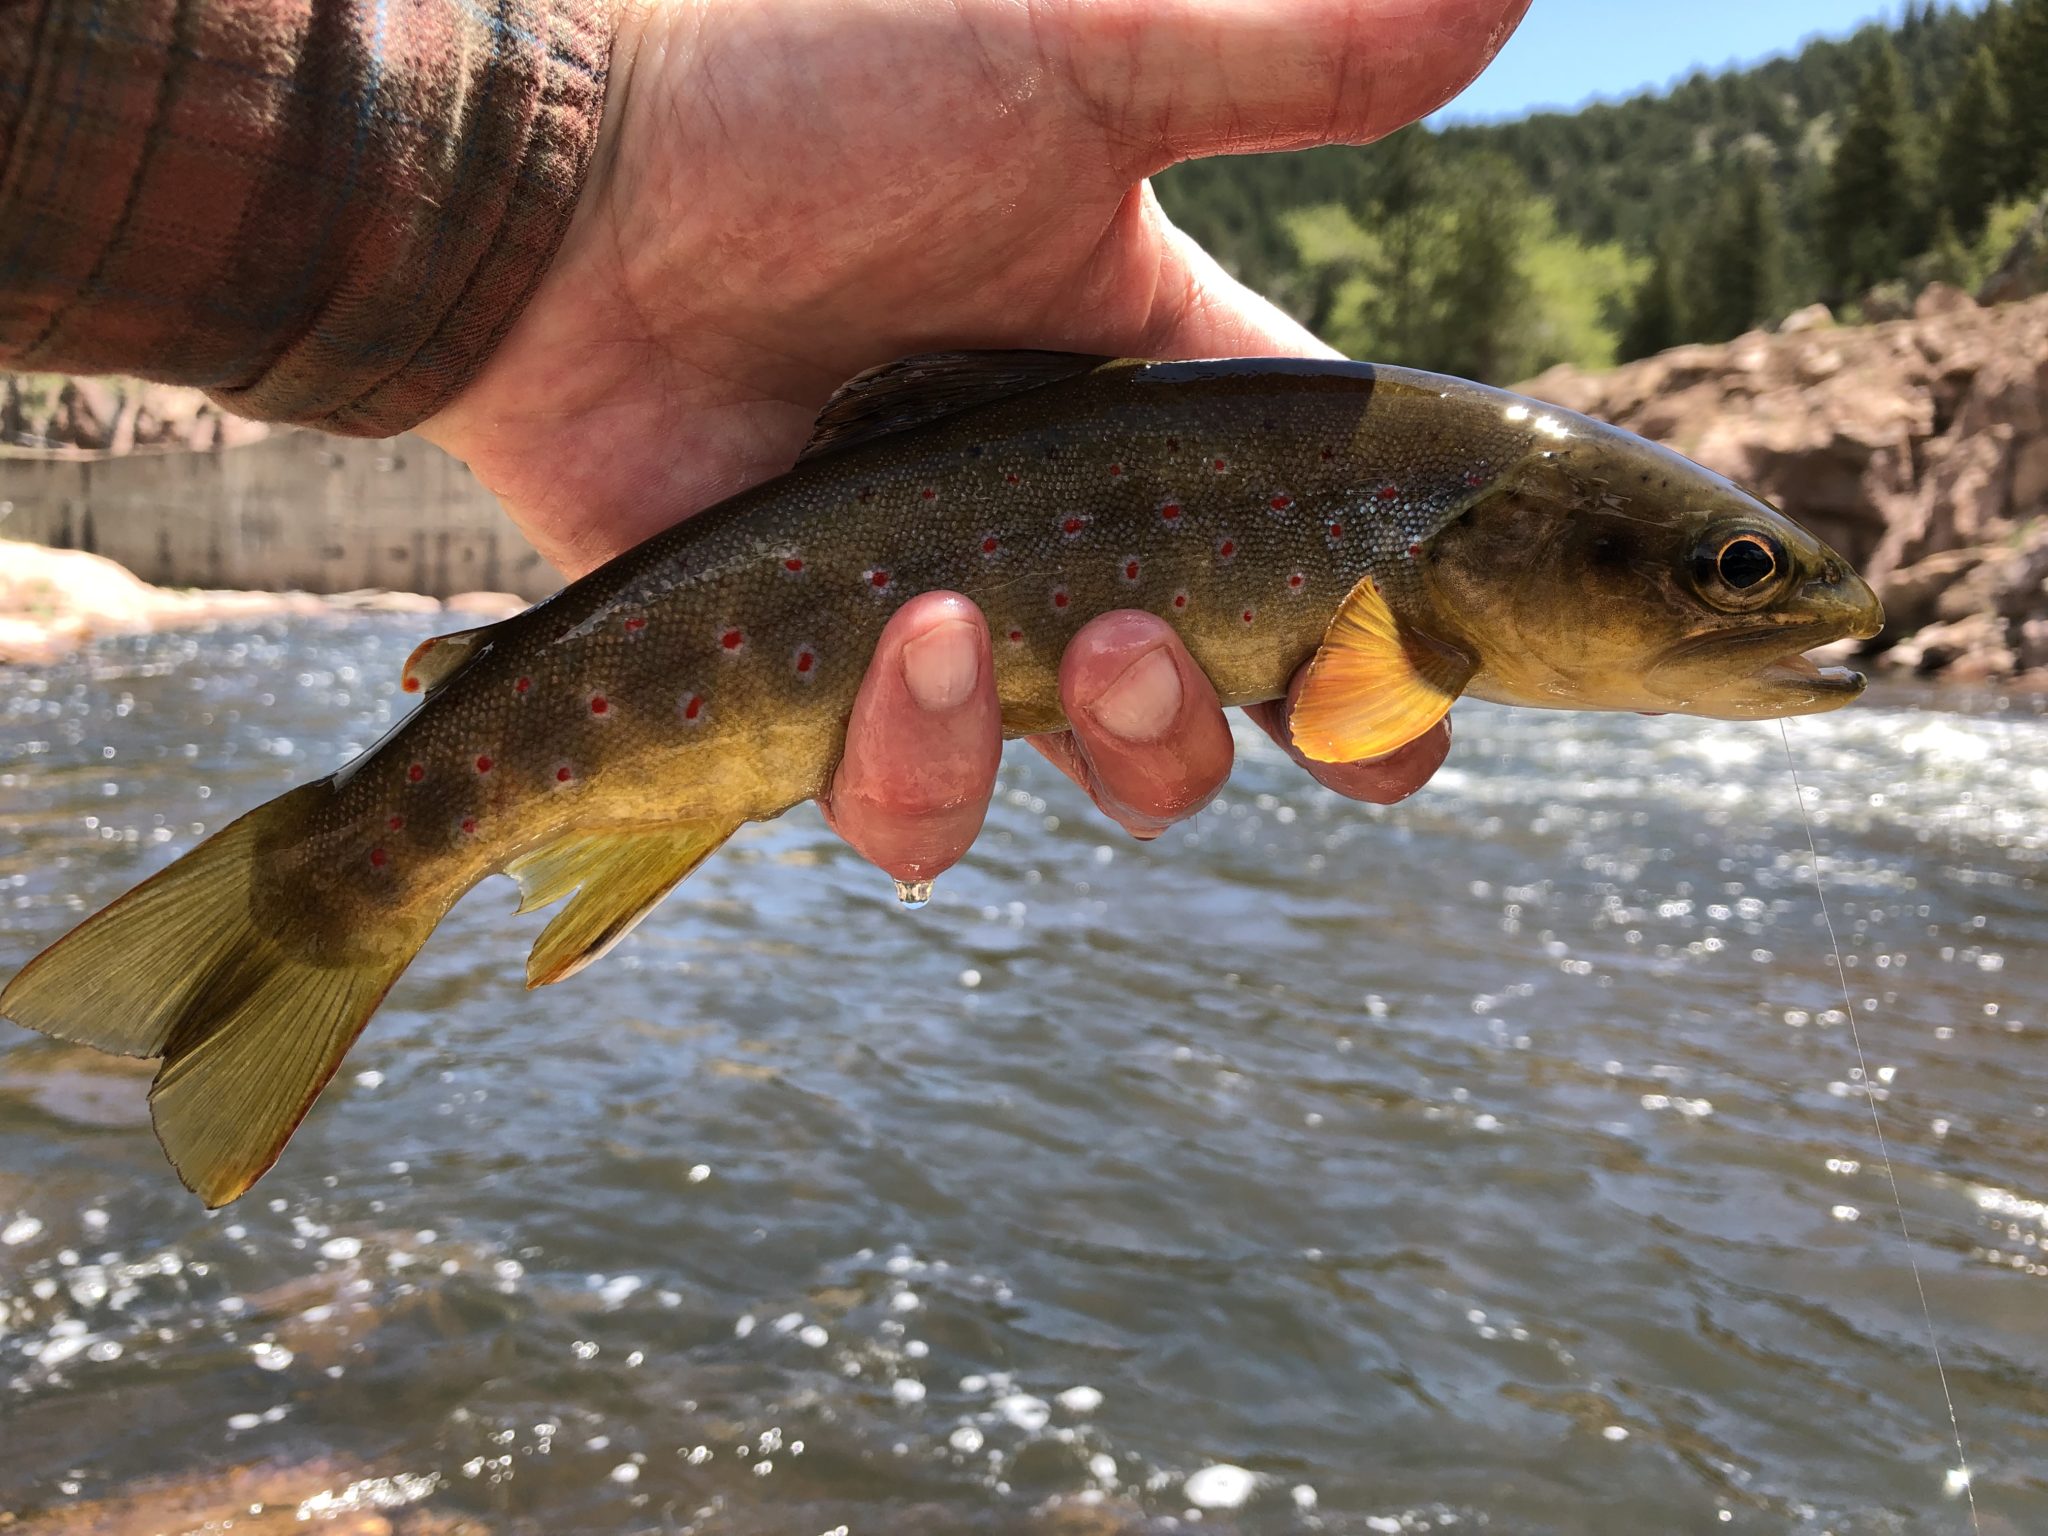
x=1170 y=80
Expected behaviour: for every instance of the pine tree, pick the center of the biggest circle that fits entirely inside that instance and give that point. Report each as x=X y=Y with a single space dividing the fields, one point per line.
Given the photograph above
x=2023 y=57
x=1868 y=215
x=1971 y=162
x=1738 y=268
x=1479 y=290
x=1655 y=319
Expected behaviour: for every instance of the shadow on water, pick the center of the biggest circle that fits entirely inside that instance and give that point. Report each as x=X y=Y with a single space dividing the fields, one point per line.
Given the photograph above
x=1495 y=1159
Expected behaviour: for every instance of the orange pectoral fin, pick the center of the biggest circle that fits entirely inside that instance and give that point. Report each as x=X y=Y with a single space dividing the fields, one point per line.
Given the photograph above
x=1372 y=688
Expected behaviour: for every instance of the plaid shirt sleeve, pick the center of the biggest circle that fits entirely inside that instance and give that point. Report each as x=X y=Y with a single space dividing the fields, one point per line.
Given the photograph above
x=325 y=212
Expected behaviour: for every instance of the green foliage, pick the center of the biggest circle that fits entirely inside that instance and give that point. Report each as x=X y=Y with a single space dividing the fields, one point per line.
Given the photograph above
x=2023 y=56
x=1625 y=227
x=1737 y=273
x=1971 y=167
x=1871 y=212
x=1467 y=273
x=1656 y=315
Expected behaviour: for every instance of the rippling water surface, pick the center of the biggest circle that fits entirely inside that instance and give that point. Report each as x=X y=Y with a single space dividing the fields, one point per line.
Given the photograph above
x=1498 y=1161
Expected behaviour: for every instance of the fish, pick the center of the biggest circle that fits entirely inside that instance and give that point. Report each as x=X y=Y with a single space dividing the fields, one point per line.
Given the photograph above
x=1411 y=538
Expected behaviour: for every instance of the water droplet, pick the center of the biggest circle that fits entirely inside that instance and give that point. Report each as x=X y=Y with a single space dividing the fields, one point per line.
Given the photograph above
x=913 y=893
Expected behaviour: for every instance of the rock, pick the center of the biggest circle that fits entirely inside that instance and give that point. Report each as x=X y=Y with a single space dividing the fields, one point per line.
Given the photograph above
x=53 y=600
x=372 y=601
x=1967 y=650
x=1814 y=317
x=487 y=605
x=1941 y=299
x=113 y=416
x=2033 y=644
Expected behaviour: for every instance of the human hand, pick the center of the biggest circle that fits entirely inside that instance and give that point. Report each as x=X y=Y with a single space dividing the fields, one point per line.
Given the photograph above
x=787 y=192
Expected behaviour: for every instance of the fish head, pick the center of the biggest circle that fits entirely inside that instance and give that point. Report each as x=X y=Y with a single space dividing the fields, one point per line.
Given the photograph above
x=1603 y=571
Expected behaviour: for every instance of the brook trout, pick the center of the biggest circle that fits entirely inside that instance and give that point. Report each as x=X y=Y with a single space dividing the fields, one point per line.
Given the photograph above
x=1413 y=537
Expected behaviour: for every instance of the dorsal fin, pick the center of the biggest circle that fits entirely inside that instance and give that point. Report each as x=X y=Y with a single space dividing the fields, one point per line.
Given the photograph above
x=915 y=390
x=434 y=661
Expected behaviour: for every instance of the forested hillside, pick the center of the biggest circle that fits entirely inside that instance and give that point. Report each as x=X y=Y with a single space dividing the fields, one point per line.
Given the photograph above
x=1854 y=172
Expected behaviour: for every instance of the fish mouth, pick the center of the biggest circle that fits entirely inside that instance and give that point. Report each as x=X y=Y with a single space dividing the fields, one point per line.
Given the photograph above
x=1710 y=677
x=1801 y=671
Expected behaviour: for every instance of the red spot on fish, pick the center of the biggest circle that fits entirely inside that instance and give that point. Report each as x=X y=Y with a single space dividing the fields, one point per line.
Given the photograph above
x=1180 y=599
x=522 y=685
x=1246 y=615
x=416 y=772
x=1226 y=549
x=792 y=565
x=878 y=579
x=930 y=494
x=1011 y=477
x=991 y=544
x=1173 y=445
x=693 y=707
x=1389 y=492
x=1116 y=469
x=1016 y=637
x=1217 y=465
x=806 y=659
x=635 y=625
x=1059 y=597
x=1329 y=454
x=1073 y=525
x=599 y=704
x=378 y=858
x=564 y=774
x=411 y=683
x=1296 y=582
x=1130 y=568
x=1170 y=513
x=1414 y=550
x=1281 y=502
x=469 y=826
x=733 y=639
x=397 y=823
x=1474 y=478
x=484 y=763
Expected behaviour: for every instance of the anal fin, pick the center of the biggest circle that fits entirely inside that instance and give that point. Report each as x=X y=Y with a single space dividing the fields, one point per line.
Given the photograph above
x=618 y=877
x=1373 y=686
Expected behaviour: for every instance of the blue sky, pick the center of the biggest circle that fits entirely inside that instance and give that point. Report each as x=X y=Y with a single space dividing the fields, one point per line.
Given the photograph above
x=1569 y=51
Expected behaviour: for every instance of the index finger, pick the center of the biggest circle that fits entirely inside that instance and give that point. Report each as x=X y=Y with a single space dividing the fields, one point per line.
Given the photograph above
x=1380 y=780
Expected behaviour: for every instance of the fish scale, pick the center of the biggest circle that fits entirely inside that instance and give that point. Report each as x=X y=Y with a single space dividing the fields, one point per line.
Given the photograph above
x=1406 y=536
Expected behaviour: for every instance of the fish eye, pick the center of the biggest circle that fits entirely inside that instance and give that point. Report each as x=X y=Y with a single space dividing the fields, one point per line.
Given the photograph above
x=1738 y=567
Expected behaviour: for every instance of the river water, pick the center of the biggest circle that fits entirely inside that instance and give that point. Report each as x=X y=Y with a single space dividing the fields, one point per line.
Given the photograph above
x=1496 y=1161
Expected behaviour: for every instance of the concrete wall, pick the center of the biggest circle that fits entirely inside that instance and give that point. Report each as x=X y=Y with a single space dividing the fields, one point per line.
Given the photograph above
x=295 y=511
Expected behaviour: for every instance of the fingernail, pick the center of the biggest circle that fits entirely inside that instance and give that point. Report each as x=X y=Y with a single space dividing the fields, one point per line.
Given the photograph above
x=942 y=665
x=1144 y=701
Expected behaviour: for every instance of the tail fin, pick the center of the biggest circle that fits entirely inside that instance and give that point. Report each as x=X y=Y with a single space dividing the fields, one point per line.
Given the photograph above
x=235 y=993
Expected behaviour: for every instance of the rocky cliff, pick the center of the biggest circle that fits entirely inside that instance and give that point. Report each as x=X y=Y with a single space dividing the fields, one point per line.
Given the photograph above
x=1919 y=448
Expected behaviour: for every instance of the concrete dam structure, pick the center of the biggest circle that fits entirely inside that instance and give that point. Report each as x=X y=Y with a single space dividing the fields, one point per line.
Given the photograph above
x=295 y=511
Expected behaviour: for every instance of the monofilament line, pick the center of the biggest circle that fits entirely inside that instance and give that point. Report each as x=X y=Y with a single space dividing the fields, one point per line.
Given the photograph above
x=1877 y=1128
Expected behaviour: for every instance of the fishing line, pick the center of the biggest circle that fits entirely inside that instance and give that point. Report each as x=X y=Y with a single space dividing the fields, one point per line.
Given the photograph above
x=1877 y=1127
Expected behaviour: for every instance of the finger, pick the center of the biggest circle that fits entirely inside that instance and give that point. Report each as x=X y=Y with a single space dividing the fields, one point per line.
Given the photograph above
x=1381 y=780
x=1148 y=740
x=923 y=742
x=1210 y=77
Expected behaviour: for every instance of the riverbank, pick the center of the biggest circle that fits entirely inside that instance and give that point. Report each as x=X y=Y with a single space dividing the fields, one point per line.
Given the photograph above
x=54 y=600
